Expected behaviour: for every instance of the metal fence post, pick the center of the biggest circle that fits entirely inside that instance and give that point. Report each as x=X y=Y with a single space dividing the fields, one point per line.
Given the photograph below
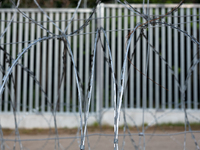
x=99 y=63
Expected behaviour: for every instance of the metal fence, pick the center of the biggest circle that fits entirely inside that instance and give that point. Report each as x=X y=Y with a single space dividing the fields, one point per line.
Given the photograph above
x=44 y=60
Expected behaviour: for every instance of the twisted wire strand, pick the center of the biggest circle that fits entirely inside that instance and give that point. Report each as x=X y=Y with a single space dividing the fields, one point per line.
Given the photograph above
x=122 y=86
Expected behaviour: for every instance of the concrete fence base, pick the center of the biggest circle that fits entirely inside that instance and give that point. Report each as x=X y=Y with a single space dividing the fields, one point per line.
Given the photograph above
x=133 y=117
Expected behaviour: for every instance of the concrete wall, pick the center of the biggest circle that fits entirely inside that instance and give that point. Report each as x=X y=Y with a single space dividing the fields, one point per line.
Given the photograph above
x=72 y=120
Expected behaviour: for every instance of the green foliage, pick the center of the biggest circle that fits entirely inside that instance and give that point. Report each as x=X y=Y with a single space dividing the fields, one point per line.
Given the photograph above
x=42 y=3
x=178 y=124
x=6 y=4
x=73 y=3
x=95 y=124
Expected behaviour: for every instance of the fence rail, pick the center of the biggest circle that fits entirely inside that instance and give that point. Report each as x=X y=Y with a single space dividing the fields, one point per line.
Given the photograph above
x=44 y=60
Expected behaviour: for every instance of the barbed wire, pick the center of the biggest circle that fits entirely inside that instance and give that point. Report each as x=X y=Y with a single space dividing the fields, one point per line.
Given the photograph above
x=115 y=30
x=119 y=87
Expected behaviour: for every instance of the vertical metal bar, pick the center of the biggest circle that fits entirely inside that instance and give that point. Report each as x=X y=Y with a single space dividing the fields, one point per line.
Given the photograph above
x=107 y=55
x=131 y=93
x=19 y=69
x=50 y=63
x=85 y=4
x=44 y=65
x=182 y=51
x=169 y=43
x=56 y=77
x=25 y=74
x=126 y=73
x=138 y=54
x=198 y=48
x=37 y=59
x=6 y=99
x=176 y=61
x=113 y=39
x=163 y=73
x=13 y=51
x=144 y=79
x=100 y=64
x=151 y=68
x=189 y=88
x=87 y=56
x=195 y=81
x=31 y=58
x=119 y=44
x=2 y=101
x=68 y=95
x=62 y=104
x=92 y=45
x=157 y=65
x=74 y=87
x=81 y=48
